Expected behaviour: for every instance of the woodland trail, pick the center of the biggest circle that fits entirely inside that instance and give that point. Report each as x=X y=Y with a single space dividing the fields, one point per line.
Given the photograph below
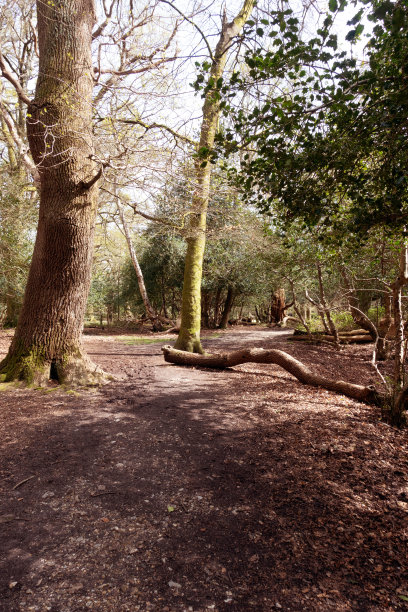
x=177 y=489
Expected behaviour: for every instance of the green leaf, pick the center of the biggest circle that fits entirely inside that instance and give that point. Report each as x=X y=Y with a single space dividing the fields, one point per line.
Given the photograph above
x=403 y=597
x=356 y=18
x=170 y=508
x=359 y=29
x=333 y=5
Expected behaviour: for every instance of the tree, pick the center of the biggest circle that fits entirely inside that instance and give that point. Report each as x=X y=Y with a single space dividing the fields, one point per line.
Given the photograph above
x=47 y=342
x=189 y=336
x=327 y=149
x=151 y=312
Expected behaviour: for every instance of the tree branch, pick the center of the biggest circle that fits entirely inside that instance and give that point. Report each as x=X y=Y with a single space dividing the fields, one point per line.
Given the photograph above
x=15 y=82
x=193 y=24
x=159 y=126
x=280 y=358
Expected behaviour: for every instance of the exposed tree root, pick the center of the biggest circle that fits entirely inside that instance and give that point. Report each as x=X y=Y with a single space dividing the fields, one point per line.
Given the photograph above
x=80 y=371
x=227 y=360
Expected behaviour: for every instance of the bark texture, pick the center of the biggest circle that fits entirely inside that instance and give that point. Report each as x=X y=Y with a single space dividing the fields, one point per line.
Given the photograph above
x=189 y=336
x=47 y=342
x=280 y=358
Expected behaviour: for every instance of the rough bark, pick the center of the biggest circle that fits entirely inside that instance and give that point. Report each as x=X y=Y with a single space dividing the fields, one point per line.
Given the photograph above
x=47 y=342
x=189 y=336
x=280 y=358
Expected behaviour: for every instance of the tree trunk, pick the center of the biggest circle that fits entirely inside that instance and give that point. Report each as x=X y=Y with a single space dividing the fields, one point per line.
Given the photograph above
x=277 y=306
x=227 y=308
x=189 y=336
x=320 y=312
x=382 y=345
x=326 y=309
x=205 y=308
x=359 y=317
x=399 y=404
x=284 y=360
x=217 y=301
x=47 y=342
x=357 y=339
x=150 y=311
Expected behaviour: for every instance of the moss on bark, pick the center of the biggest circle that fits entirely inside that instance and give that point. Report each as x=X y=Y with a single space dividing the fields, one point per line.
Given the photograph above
x=34 y=368
x=189 y=337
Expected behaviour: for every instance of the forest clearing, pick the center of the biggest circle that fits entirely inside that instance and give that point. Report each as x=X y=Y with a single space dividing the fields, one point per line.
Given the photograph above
x=177 y=489
x=233 y=173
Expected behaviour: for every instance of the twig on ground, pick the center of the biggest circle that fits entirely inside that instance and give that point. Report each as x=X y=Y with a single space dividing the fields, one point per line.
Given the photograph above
x=19 y=484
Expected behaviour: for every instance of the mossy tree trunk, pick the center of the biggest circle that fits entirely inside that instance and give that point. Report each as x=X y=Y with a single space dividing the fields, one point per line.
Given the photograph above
x=47 y=342
x=189 y=336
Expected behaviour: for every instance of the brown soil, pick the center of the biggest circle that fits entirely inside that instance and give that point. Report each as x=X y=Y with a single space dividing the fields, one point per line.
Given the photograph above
x=181 y=489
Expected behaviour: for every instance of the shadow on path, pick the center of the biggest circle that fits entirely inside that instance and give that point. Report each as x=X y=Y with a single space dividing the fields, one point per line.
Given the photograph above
x=185 y=489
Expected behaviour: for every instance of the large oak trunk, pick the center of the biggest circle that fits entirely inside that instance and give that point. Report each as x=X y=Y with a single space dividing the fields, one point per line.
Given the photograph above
x=47 y=342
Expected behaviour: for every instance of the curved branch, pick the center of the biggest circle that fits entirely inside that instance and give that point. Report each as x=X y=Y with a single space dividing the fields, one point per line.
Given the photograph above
x=15 y=82
x=227 y=360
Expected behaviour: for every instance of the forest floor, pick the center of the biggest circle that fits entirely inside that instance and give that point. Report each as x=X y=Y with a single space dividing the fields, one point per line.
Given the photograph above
x=182 y=489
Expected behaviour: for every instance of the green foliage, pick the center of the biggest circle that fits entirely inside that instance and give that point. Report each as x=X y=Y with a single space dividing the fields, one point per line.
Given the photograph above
x=343 y=321
x=162 y=263
x=314 y=324
x=330 y=142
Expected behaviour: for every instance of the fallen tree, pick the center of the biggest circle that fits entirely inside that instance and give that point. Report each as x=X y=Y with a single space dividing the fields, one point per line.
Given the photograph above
x=362 y=393
x=342 y=339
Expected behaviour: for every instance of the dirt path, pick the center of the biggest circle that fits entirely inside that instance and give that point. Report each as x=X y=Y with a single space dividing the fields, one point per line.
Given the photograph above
x=177 y=489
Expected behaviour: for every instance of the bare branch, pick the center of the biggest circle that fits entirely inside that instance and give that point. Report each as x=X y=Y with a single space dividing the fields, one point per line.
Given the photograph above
x=21 y=146
x=16 y=83
x=160 y=126
x=193 y=24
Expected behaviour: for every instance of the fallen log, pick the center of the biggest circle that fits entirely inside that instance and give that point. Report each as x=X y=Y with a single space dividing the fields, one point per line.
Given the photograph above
x=256 y=355
x=358 y=339
x=355 y=332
